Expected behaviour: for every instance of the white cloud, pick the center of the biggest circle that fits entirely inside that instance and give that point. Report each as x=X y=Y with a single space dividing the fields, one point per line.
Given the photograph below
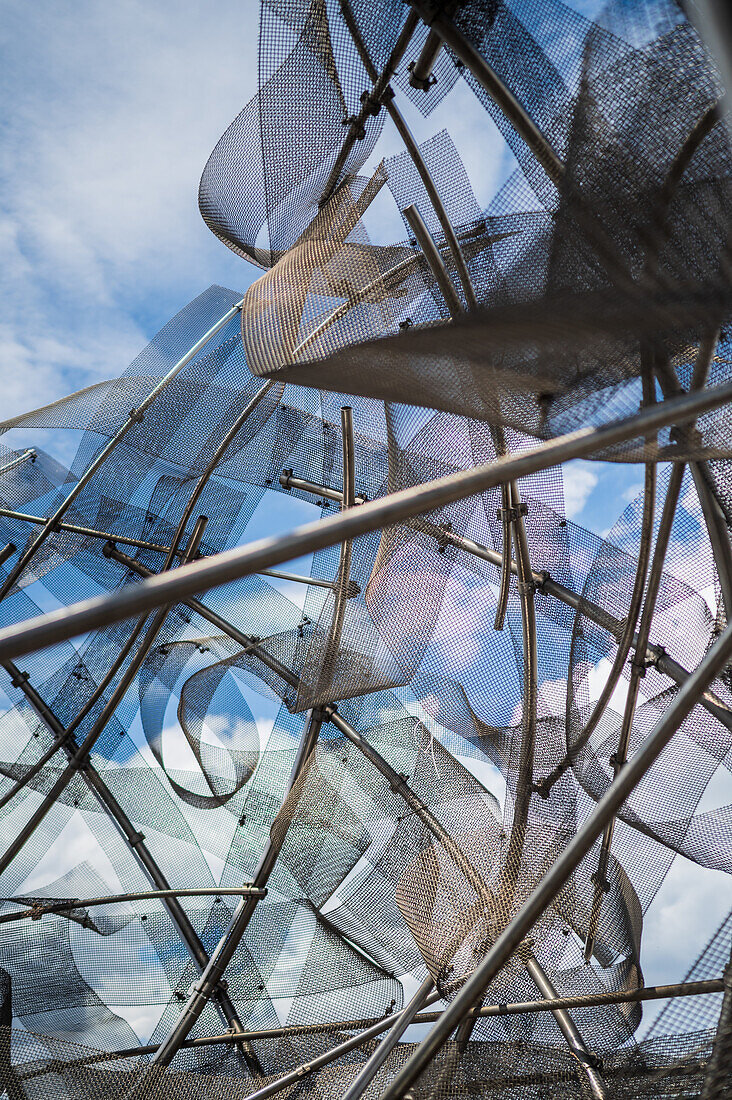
x=632 y=492
x=579 y=481
x=111 y=114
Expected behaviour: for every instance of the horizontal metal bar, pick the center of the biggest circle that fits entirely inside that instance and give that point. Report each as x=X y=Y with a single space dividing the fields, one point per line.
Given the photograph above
x=318 y=582
x=35 y=912
x=516 y=1008
x=91 y=532
x=400 y=507
x=287 y=481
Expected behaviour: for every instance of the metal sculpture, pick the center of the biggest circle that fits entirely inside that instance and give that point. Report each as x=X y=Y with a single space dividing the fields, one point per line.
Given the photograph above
x=453 y=626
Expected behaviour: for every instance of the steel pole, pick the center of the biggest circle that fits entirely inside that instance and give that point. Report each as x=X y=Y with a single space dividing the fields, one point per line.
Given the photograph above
x=566 y=863
x=134 y=417
x=230 y=565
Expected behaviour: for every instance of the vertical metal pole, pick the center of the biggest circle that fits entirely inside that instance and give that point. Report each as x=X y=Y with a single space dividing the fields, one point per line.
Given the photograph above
x=343 y=580
x=638 y=665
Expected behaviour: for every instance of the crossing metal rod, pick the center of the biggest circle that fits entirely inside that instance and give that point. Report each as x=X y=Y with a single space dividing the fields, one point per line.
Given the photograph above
x=172 y=552
x=415 y=154
x=401 y=1023
x=287 y=481
x=18 y=461
x=714 y=662
x=515 y=1008
x=317 y=582
x=134 y=839
x=81 y=752
x=224 y=951
x=434 y=259
x=36 y=911
x=230 y=565
x=134 y=417
x=567 y=1026
x=90 y=532
x=625 y=641
x=516 y=114
x=714 y=517
x=371 y=104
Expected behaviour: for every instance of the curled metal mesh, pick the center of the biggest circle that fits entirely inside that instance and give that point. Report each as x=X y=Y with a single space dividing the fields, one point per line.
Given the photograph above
x=405 y=847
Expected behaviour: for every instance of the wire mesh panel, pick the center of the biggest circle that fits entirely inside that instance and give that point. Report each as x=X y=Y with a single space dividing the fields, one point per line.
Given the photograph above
x=241 y=827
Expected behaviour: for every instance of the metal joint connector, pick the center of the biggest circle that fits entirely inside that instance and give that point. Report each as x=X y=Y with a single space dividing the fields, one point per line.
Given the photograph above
x=136 y=416
x=357 y=130
x=371 y=104
x=20 y=679
x=285 y=478
x=423 y=84
x=135 y=839
x=512 y=514
x=601 y=882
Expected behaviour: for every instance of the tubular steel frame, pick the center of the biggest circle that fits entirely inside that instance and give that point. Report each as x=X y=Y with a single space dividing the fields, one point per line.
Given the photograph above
x=185 y=573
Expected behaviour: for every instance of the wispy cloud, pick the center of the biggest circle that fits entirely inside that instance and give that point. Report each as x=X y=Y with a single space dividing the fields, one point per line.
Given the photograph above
x=110 y=113
x=579 y=481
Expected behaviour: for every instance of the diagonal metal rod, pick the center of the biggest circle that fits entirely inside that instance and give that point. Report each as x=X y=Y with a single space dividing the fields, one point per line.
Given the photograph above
x=134 y=839
x=134 y=417
x=18 y=461
x=287 y=481
x=371 y=104
x=516 y=114
x=224 y=951
x=625 y=641
x=36 y=910
x=568 y=1028
x=401 y=1023
x=230 y=565
x=714 y=662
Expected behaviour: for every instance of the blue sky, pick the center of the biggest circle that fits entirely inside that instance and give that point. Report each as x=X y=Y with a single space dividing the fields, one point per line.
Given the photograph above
x=108 y=115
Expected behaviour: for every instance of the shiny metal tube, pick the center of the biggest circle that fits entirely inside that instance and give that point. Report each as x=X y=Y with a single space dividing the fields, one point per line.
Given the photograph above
x=384 y=1049
x=563 y=867
x=400 y=507
x=133 y=418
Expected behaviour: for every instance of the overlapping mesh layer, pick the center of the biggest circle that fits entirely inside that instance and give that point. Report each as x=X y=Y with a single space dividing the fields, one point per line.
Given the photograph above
x=410 y=836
